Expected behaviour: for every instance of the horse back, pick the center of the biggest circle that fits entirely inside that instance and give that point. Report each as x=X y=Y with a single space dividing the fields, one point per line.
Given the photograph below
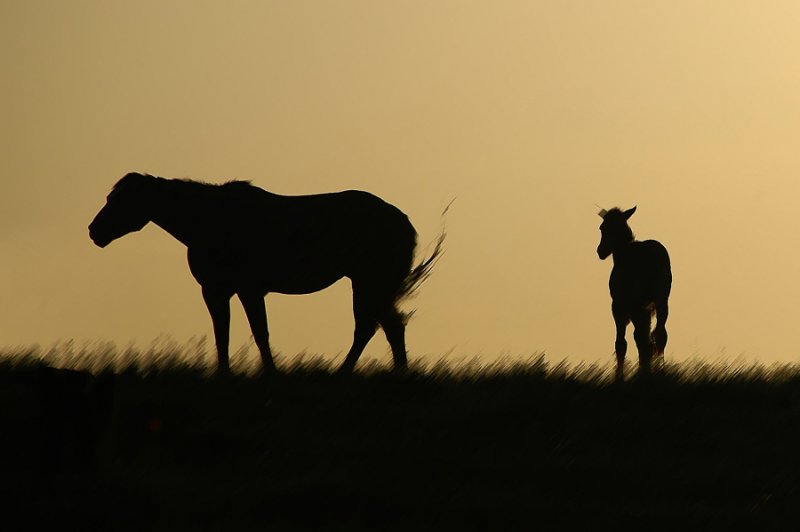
x=300 y=244
x=352 y=219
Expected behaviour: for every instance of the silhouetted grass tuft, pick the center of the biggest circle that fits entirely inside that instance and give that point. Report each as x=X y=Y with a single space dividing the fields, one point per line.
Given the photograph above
x=152 y=439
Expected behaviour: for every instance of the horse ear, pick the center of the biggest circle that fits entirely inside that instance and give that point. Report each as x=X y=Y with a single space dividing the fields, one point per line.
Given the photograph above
x=627 y=214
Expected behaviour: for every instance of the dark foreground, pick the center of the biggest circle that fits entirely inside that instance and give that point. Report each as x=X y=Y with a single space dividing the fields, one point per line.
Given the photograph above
x=524 y=448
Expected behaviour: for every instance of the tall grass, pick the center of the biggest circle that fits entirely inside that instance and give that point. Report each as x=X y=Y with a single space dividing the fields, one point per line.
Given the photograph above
x=197 y=354
x=529 y=444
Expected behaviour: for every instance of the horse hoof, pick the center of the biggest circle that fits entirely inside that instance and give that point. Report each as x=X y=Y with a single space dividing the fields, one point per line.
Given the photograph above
x=400 y=370
x=269 y=373
x=344 y=371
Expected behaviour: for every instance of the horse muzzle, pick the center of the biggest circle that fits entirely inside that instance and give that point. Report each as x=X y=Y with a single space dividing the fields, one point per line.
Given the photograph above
x=98 y=240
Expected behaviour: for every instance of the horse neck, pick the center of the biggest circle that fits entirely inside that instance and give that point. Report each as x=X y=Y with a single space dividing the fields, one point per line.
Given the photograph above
x=177 y=209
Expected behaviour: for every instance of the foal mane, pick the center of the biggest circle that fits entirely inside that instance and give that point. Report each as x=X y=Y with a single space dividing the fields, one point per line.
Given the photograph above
x=613 y=212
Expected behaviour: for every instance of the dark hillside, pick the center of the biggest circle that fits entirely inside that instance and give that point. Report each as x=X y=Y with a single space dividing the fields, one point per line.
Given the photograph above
x=522 y=448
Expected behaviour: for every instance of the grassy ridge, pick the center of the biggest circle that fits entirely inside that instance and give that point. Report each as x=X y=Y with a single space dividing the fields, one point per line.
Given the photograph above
x=518 y=447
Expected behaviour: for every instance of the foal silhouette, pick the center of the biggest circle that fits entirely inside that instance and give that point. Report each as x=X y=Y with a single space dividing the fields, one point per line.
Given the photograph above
x=246 y=241
x=640 y=284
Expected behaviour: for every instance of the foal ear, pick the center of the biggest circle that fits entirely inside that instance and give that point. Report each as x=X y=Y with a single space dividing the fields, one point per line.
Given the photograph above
x=627 y=214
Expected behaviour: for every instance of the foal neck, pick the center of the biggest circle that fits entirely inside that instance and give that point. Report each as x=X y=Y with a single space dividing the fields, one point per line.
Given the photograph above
x=623 y=251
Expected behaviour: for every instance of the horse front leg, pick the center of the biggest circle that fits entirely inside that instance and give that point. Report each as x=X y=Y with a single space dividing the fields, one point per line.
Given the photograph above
x=256 y=311
x=218 y=303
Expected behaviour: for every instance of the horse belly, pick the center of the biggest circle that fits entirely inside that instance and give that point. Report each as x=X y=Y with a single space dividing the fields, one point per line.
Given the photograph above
x=286 y=276
x=238 y=272
x=293 y=284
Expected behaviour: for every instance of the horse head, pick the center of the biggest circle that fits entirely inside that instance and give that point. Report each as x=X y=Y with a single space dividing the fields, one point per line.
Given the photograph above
x=614 y=230
x=124 y=212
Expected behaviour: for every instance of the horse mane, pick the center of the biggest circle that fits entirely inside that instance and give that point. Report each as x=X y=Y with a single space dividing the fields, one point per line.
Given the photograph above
x=132 y=177
x=138 y=176
x=232 y=184
x=193 y=186
x=238 y=184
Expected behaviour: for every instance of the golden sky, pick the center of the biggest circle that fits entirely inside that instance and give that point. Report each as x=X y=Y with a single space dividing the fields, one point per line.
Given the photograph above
x=528 y=112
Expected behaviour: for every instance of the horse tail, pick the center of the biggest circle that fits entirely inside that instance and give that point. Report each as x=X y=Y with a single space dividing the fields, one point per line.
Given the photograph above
x=422 y=271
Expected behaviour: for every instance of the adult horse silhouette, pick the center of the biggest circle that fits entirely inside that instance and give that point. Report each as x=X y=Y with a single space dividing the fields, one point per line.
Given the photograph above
x=640 y=283
x=246 y=241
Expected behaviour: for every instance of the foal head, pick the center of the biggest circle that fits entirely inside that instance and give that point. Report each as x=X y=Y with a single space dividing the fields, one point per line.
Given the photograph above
x=614 y=231
x=124 y=211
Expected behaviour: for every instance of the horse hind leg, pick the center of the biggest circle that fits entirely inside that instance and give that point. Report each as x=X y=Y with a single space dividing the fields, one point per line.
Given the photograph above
x=366 y=323
x=393 y=323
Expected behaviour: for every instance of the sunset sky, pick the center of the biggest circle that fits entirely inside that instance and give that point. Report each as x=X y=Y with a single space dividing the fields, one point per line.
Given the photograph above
x=529 y=113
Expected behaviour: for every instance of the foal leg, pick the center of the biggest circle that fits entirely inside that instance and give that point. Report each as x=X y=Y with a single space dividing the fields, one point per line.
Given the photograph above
x=660 y=331
x=256 y=311
x=366 y=324
x=644 y=339
x=218 y=303
x=394 y=328
x=620 y=345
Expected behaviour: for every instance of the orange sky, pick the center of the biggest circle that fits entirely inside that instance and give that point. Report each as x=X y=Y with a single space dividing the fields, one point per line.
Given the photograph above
x=529 y=113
